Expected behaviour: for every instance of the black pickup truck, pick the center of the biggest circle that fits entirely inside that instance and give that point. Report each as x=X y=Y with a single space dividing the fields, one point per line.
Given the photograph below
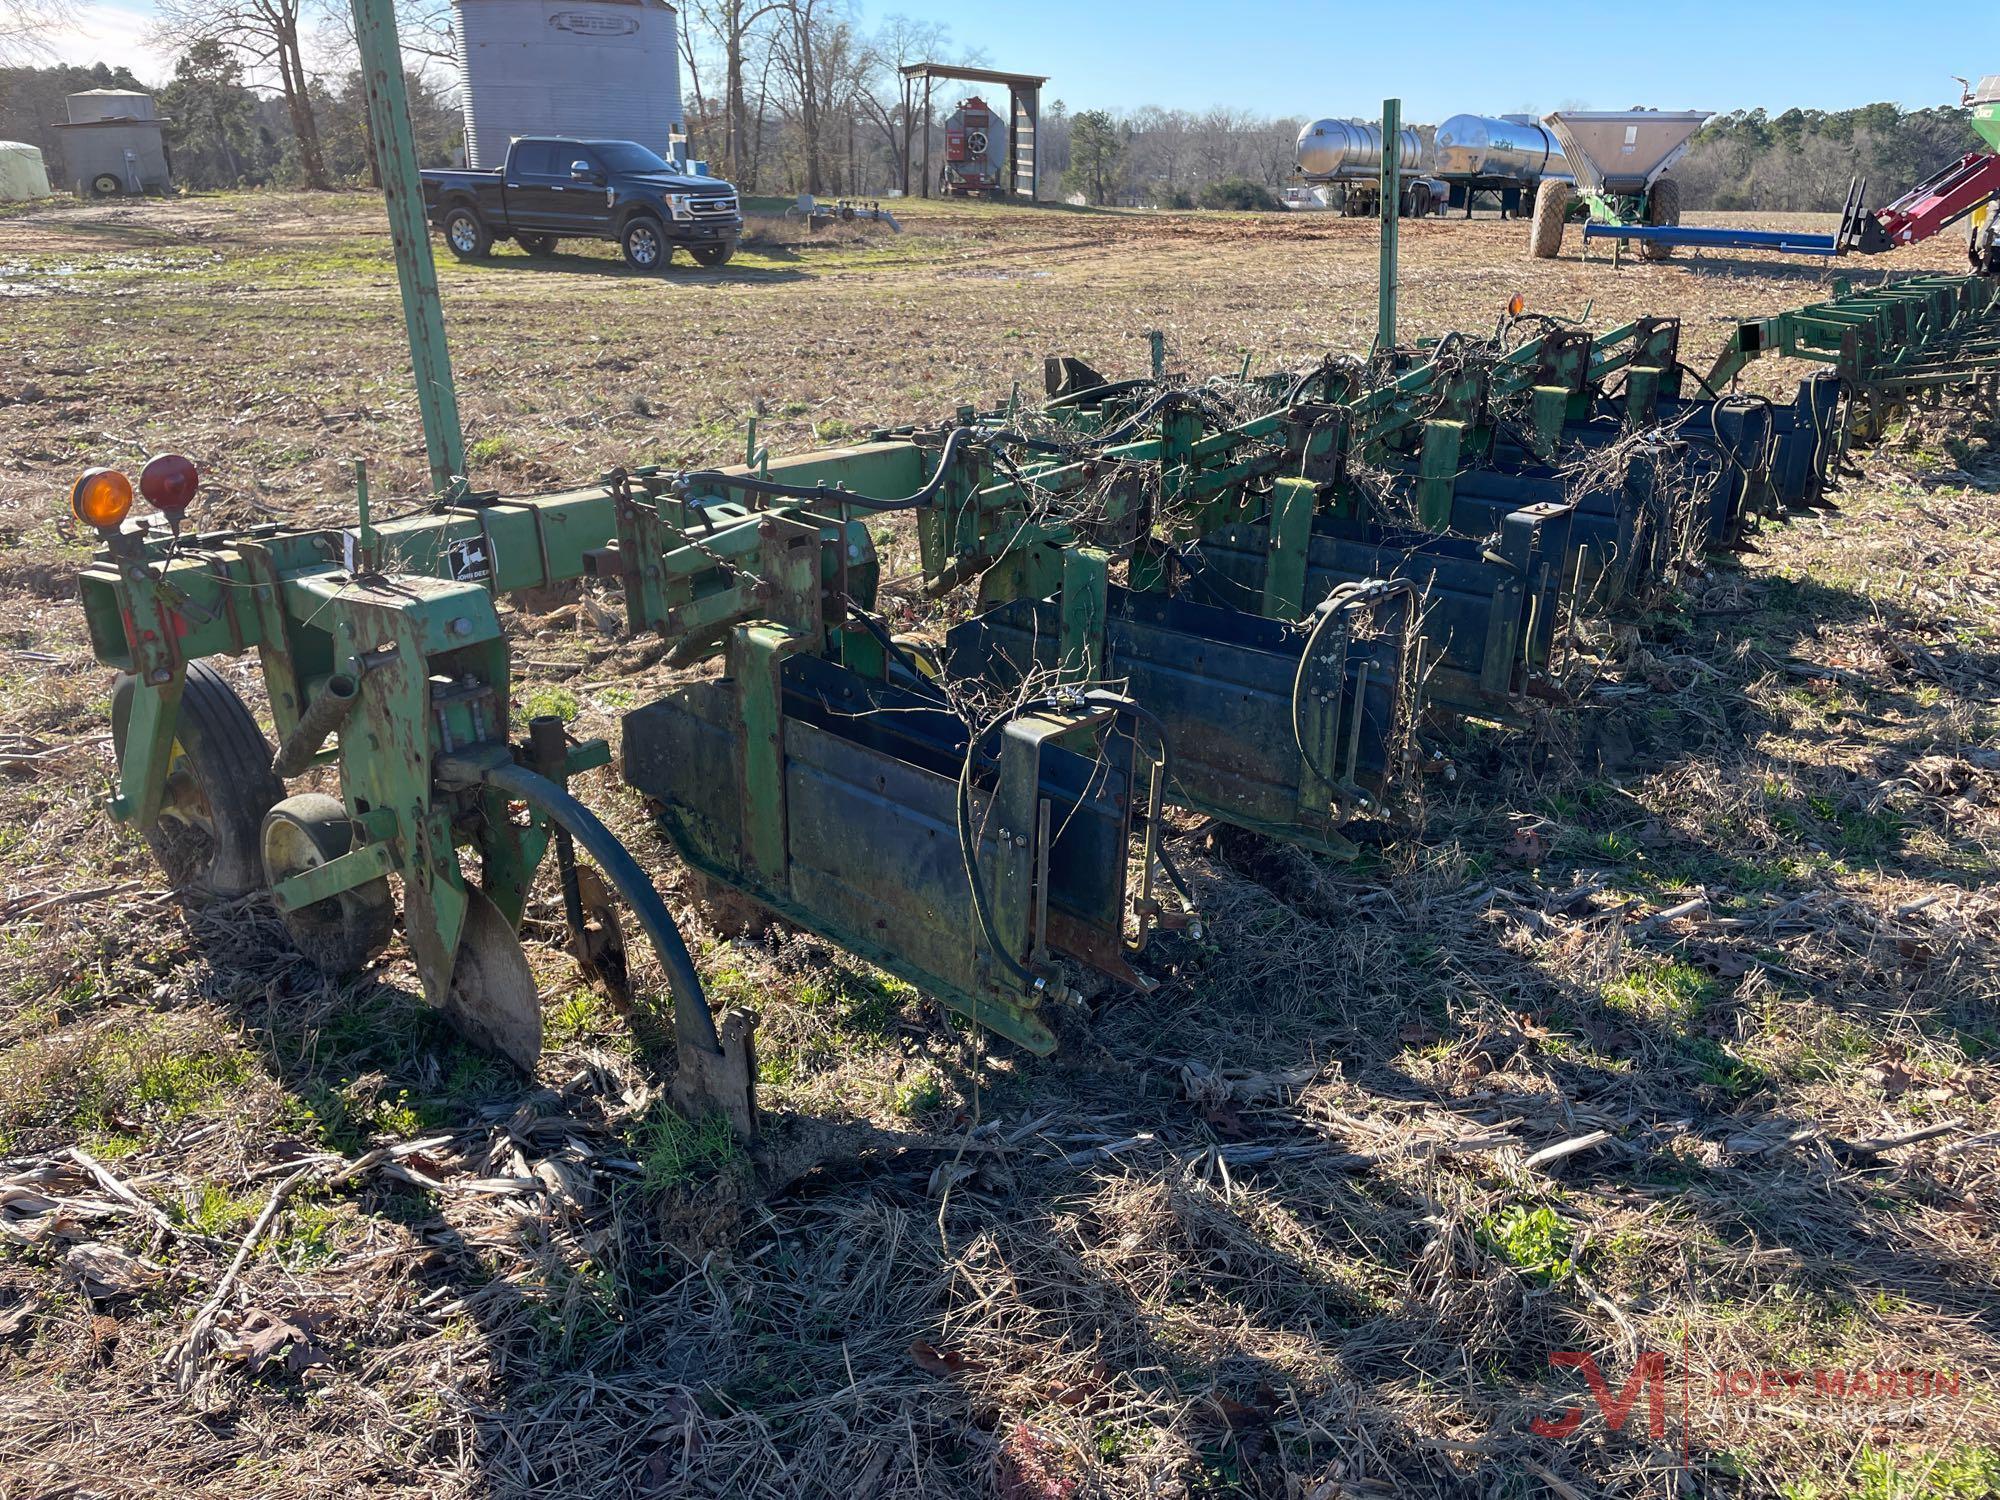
x=555 y=189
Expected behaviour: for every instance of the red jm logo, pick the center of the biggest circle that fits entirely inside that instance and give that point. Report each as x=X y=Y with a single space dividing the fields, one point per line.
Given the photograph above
x=1648 y=1377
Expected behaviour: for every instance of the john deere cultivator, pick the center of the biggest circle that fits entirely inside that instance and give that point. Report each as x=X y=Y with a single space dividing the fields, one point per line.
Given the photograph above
x=1244 y=600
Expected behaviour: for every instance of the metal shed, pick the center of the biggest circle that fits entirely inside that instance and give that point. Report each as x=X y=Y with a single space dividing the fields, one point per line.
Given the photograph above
x=1024 y=115
x=602 y=69
x=114 y=142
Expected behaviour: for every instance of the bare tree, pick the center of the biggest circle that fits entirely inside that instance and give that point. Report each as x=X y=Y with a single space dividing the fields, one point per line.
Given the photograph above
x=266 y=34
x=26 y=25
x=899 y=43
x=423 y=27
x=733 y=24
x=814 y=50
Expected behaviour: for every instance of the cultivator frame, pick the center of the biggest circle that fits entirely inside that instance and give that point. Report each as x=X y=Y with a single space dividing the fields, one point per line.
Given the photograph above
x=1249 y=599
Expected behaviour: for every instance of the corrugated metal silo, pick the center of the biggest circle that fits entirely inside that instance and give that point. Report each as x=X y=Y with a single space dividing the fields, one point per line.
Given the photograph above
x=605 y=69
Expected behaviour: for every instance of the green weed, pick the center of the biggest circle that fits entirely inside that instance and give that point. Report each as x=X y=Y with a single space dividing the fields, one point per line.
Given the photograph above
x=1534 y=1241
x=545 y=702
x=675 y=1151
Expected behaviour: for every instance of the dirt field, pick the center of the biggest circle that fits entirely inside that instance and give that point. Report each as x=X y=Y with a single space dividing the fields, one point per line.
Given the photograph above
x=1281 y=1228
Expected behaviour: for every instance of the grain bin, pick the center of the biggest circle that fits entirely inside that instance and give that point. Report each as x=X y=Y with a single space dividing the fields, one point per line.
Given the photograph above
x=114 y=143
x=594 y=69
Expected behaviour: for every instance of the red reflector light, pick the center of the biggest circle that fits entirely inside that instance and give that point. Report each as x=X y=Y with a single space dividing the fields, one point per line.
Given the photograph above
x=168 y=482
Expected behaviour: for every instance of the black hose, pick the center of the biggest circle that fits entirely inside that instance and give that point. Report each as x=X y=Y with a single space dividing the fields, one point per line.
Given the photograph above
x=968 y=842
x=694 y=1022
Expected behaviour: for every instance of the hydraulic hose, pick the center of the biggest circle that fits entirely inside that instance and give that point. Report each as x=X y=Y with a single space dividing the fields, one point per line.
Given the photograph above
x=968 y=838
x=694 y=1022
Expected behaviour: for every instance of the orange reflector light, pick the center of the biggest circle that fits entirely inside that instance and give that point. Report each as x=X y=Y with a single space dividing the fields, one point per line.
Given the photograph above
x=1518 y=306
x=102 y=498
x=169 y=482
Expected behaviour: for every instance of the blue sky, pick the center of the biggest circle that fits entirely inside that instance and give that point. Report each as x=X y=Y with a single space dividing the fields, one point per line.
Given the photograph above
x=1286 y=57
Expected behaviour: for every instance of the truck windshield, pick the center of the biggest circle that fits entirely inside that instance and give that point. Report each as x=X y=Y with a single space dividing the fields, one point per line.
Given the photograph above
x=624 y=156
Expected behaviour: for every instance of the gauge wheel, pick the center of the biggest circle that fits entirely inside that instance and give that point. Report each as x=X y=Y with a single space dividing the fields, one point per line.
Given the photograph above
x=107 y=185
x=342 y=933
x=219 y=786
x=537 y=244
x=466 y=233
x=645 y=246
x=713 y=255
x=494 y=1002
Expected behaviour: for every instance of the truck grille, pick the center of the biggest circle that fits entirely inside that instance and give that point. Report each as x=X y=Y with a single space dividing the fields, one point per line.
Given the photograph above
x=717 y=206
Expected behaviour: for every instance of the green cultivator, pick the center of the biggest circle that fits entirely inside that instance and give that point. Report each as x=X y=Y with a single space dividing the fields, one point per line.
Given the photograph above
x=1246 y=602
x=1245 y=599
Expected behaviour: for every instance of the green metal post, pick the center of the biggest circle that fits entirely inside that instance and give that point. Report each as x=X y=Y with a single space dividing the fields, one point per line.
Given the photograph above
x=1392 y=207
x=403 y=190
x=364 y=532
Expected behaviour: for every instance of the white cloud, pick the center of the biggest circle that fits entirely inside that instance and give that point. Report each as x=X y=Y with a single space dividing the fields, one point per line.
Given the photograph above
x=113 y=34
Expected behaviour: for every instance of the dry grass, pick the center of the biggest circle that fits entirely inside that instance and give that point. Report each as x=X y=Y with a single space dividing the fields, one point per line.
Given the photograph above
x=1278 y=1229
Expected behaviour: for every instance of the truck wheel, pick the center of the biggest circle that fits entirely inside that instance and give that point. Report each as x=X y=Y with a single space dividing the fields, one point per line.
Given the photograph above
x=537 y=244
x=712 y=255
x=1663 y=209
x=1545 y=230
x=219 y=786
x=466 y=233
x=645 y=246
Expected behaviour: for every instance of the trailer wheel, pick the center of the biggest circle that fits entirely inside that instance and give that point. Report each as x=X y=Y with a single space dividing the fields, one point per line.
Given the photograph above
x=219 y=786
x=645 y=245
x=1663 y=209
x=341 y=933
x=537 y=244
x=107 y=185
x=1545 y=230
x=466 y=233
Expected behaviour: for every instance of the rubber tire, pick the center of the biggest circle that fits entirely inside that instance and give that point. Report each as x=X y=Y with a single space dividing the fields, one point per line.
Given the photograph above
x=714 y=257
x=1663 y=210
x=107 y=185
x=479 y=239
x=230 y=762
x=1545 y=229
x=539 y=245
x=630 y=236
x=342 y=933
